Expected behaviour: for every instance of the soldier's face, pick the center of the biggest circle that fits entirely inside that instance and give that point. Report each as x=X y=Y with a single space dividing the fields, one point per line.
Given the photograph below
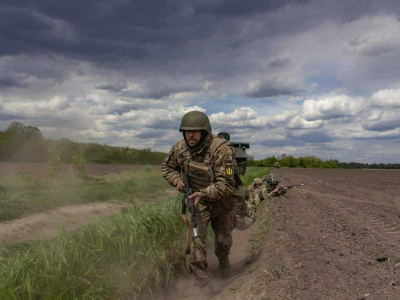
x=192 y=137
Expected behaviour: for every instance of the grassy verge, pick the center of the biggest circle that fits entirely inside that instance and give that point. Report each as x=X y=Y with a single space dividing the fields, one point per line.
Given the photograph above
x=127 y=256
x=258 y=235
x=262 y=226
x=23 y=194
x=252 y=173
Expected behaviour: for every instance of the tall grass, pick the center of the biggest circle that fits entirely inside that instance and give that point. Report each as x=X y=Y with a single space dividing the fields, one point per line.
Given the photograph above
x=23 y=194
x=127 y=255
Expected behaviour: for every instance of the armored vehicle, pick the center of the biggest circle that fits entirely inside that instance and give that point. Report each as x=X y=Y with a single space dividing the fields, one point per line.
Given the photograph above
x=240 y=152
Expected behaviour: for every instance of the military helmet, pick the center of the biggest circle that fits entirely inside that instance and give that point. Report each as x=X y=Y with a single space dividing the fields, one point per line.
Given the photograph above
x=195 y=120
x=257 y=181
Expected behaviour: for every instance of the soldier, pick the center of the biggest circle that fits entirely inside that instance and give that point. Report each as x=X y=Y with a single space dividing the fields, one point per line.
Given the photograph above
x=261 y=189
x=209 y=164
x=255 y=194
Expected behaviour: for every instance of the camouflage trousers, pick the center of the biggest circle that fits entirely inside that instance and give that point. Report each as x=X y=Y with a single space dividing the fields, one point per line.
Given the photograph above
x=254 y=200
x=222 y=226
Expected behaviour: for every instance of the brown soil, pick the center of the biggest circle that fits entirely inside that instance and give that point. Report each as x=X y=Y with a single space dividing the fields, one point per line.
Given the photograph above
x=41 y=170
x=337 y=237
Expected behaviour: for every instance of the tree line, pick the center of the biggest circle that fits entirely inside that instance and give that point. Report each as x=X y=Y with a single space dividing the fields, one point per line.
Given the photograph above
x=289 y=161
x=20 y=143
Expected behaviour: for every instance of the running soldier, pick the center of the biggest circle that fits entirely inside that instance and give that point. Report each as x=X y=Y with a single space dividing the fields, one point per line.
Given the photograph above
x=209 y=164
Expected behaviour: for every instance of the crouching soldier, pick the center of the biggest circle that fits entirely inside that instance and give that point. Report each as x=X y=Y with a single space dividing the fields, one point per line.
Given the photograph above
x=262 y=189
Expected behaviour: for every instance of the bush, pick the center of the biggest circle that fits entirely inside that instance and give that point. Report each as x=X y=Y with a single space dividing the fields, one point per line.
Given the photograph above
x=54 y=163
x=79 y=162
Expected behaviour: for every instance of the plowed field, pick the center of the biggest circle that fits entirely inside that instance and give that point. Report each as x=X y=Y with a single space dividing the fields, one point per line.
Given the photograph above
x=337 y=237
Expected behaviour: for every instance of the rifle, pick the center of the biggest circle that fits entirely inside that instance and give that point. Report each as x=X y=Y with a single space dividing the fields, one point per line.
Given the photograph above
x=192 y=225
x=283 y=189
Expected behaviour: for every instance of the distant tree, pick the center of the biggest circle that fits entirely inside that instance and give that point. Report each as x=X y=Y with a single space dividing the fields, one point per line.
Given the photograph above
x=30 y=132
x=16 y=127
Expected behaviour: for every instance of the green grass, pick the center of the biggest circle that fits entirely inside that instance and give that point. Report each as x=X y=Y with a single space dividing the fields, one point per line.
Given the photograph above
x=258 y=235
x=262 y=226
x=127 y=256
x=252 y=173
x=23 y=194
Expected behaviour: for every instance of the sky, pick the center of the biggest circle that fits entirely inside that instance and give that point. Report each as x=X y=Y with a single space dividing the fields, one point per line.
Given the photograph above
x=299 y=77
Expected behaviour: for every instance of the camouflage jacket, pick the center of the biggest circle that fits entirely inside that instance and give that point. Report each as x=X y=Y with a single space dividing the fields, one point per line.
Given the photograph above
x=264 y=190
x=220 y=161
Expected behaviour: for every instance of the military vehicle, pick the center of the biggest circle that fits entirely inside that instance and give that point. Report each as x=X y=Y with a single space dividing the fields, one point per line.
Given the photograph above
x=240 y=152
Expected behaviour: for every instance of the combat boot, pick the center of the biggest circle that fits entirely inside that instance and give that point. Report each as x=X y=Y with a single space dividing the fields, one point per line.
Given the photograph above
x=225 y=270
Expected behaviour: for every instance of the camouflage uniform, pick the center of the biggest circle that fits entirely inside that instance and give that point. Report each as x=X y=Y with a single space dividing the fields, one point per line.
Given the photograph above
x=209 y=170
x=259 y=190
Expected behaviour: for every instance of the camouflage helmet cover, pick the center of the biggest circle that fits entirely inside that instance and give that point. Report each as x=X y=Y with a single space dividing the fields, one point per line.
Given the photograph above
x=195 y=120
x=257 y=181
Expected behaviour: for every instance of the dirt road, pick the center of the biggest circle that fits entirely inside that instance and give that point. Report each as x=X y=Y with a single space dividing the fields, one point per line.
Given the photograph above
x=338 y=237
x=46 y=224
x=41 y=170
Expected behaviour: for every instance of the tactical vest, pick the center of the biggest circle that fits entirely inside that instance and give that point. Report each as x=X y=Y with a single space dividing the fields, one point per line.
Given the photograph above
x=201 y=175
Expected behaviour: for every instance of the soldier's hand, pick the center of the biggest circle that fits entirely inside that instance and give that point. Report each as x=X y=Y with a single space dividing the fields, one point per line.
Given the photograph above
x=276 y=191
x=196 y=197
x=280 y=191
x=180 y=186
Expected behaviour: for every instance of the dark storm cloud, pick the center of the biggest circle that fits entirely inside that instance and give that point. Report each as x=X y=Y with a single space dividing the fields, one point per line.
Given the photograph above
x=153 y=93
x=275 y=143
x=279 y=62
x=8 y=117
x=313 y=136
x=10 y=82
x=387 y=137
x=379 y=50
x=106 y=30
x=241 y=8
x=382 y=125
x=112 y=87
x=169 y=39
x=273 y=88
x=112 y=31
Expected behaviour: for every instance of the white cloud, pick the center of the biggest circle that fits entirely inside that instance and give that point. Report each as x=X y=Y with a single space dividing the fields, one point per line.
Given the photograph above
x=300 y=123
x=389 y=98
x=332 y=107
x=238 y=115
